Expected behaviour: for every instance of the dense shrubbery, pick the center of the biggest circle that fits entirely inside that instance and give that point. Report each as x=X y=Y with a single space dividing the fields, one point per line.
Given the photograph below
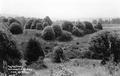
x=11 y=20
x=16 y=28
x=48 y=33
x=39 y=26
x=48 y=20
x=89 y=27
x=68 y=26
x=98 y=26
x=8 y=50
x=58 y=55
x=104 y=44
x=57 y=29
x=28 y=24
x=33 y=51
x=66 y=36
x=77 y=32
x=45 y=24
x=80 y=25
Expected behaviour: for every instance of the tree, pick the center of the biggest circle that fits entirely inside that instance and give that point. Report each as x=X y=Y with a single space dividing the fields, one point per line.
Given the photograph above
x=104 y=44
x=33 y=51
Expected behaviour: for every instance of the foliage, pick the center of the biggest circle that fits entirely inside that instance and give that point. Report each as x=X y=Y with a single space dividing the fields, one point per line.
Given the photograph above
x=11 y=20
x=16 y=28
x=48 y=20
x=67 y=26
x=80 y=25
x=77 y=32
x=89 y=27
x=66 y=36
x=104 y=44
x=98 y=26
x=8 y=50
x=33 y=51
x=58 y=55
x=45 y=24
x=48 y=33
x=39 y=26
x=28 y=24
x=57 y=29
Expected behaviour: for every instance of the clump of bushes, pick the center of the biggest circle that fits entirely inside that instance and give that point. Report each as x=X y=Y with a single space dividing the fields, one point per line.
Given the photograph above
x=89 y=27
x=57 y=29
x=45 y=24
x=58 y=55
x=12 y=20
x=98 y=26
x=28 y=24
x=33 y=51
x=16 y=28
x=8 y=50
x=66 y=36
x=104 y=44
x=39 y=26
x=77 y=32
x=48 y=20
x=80 y=25
x=48 y=33
x=67 y=26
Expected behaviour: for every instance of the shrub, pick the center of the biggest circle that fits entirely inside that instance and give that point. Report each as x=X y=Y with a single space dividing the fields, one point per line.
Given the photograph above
x=33 y=51
x=28 y=24
x=77 y=32
x=11 y=20
x=16 y=28
x=39 y=26
x=68 y=26
x=48 y=20
x=33 y=25
x=8 y=50
x=66 y=36
x=58 y=55
x=105 y=43
x=80 y=25
x=48 y=33
x=45 y=24
x=88 y=27
x=98 y=26
x=57 y=29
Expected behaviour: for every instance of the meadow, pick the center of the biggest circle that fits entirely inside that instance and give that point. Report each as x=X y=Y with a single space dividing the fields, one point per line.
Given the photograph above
x=80 y=63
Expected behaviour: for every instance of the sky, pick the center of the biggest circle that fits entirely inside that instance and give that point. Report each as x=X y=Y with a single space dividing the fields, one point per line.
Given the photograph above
x=62 y=9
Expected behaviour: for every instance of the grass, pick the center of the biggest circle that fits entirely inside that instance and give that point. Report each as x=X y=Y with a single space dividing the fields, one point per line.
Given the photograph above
x=75 y=67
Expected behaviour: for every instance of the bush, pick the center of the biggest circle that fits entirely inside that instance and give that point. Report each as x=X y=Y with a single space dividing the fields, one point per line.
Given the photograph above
x=80 y=25
x=45 y=24
x=67 y=26
x=88 y=27
x=16 y=28
x=39 y=26
x=66 y=36
x=8 y=50
x=77 y=32
x=33 y=51
x=105 y=43
x=33 y=25
x=58 y=55
x=98 y=26
x=28 y=24
x=12 y=20
x=48 y=20
x=57 y=29
x=48 y=33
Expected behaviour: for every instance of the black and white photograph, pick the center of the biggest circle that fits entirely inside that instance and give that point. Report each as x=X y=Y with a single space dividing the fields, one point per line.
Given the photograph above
x=59 y=37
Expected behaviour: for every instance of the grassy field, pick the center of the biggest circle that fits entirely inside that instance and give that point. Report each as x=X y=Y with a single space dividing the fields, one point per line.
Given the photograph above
x=75 y=67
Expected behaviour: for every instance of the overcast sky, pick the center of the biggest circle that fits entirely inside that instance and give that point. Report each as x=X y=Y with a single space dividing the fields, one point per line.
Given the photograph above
x=62 y=9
